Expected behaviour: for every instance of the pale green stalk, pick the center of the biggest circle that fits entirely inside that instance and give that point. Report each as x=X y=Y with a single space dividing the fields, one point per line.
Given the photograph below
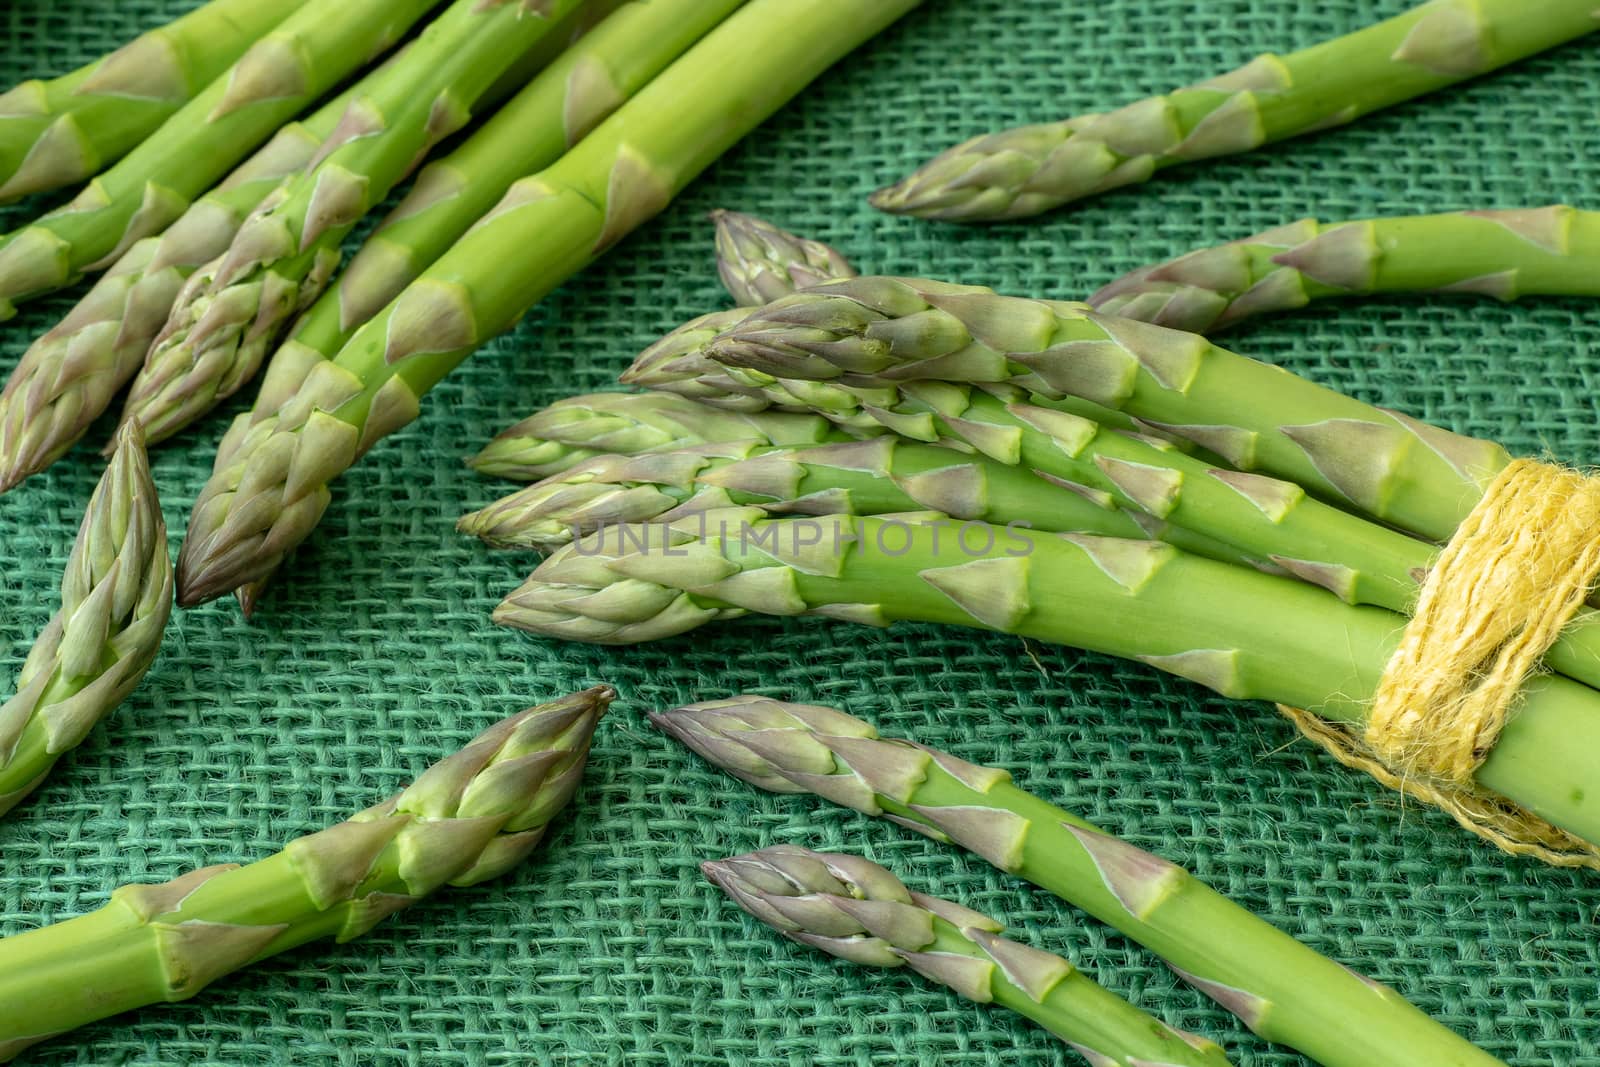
x=116 y=597
x=308 y=54
x=1547 y=251
x=466 y=819
x=1243 y=633
x=1031 y=169
x=854 y=909
x=1281 y=989
x=57 y=131
x=270 y=486
x=599 y=72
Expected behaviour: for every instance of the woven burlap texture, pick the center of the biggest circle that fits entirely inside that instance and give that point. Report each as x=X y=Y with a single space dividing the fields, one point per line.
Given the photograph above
x=377 y=654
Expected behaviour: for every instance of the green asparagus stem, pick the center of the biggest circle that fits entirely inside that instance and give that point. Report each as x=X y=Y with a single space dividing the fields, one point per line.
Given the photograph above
x=884 y=331
x=882 y=476
x=233 y=313
x=1550 y=251
x=271 y=482
x=1282 y=990
x=854 y=909
x=297 y=63
x=580 y=428
x=116 y=597
x=67 y=378
x=758 y=262
x=1031 y=169
x=468 y=818
x=1243 y=633
x=57 y=132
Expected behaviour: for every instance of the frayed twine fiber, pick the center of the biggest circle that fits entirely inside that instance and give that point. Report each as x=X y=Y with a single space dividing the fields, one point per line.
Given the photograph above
x=1516 y=571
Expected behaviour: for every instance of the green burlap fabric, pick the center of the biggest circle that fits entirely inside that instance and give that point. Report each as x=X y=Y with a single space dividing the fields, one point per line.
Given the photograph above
x=376 y=655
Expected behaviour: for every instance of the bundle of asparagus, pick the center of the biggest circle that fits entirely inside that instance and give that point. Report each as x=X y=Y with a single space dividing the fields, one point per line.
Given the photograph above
x=467 y=819
x=963 y=368
x=1279 y=988
x=1031 y=169
x=271 y=481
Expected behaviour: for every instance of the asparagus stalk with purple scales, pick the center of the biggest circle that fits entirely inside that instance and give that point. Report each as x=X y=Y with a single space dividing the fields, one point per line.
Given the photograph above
x=580 y=428
x=1548 y=251
x=271 y=482
x=1280 y=988
x=59 y=131
x=309 y=53
x=116 y=597
x=1031 y=169
x=758 y=262
x=855 y=910
x=1245 y=634
x=468 y=818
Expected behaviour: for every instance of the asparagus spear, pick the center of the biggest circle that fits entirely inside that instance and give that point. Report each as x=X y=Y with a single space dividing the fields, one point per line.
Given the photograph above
x=468 y=818
x=882 y=476
x=1505 y=254
x=298 y=62
x=57 y=132
x=758 y=262
x=852 y=908
x=1243 y=633
x=270 y=485
x=232 y=313
x=1031 y=169
x=680 y=363
x=580 y=428
x=884 y=331
x=67 y=378
x=116 y=596
x=1282 y=990
x=753 y=258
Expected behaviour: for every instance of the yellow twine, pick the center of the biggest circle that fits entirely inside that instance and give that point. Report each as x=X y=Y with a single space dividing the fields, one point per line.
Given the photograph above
x=1496 y=599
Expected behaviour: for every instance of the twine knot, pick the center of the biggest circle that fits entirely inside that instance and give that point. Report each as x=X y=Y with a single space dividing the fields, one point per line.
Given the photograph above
x=1513 y=576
